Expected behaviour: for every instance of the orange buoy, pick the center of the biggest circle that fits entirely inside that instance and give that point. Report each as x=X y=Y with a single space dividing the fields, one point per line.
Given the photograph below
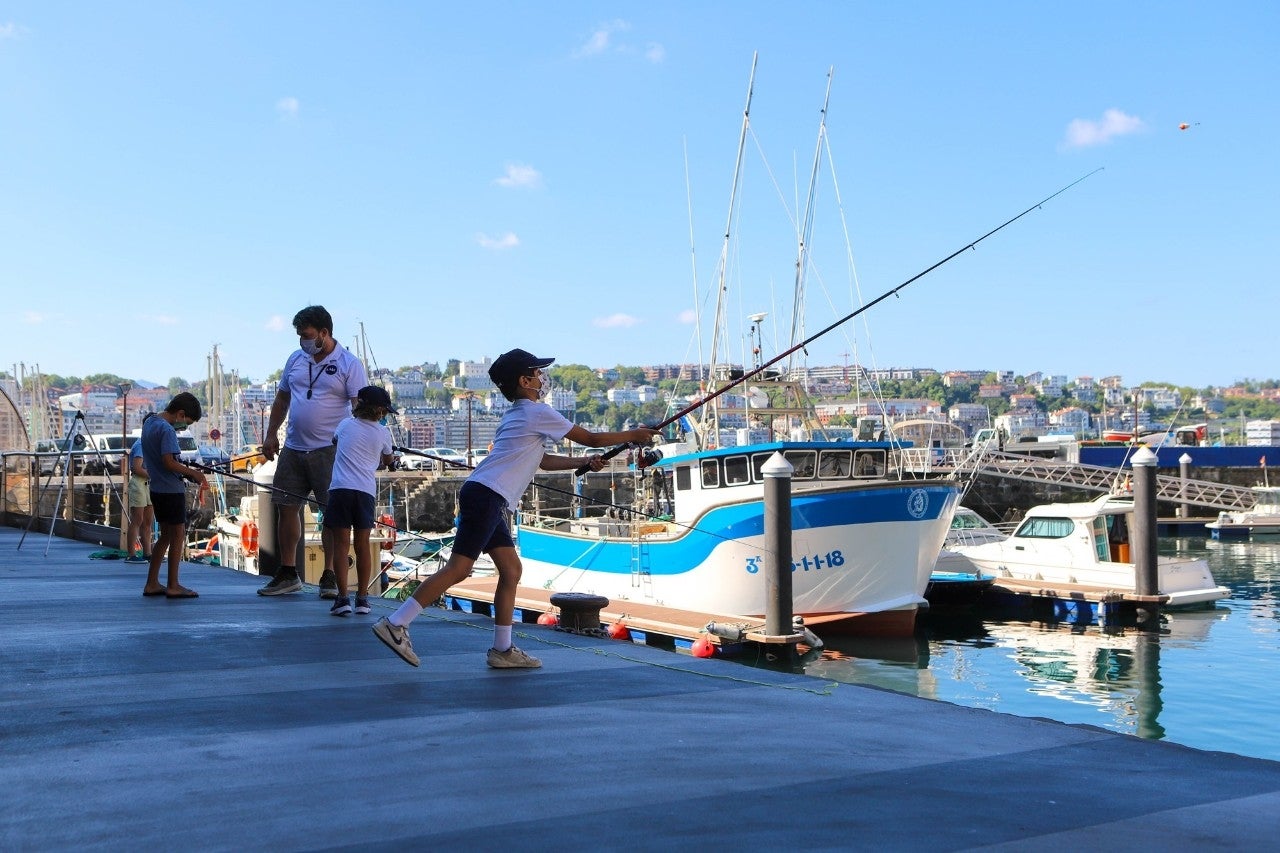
x=390 y=523
x=620 y=631
x=249 y=538
x=210 y=547
x=548 y=619
x=703 y=647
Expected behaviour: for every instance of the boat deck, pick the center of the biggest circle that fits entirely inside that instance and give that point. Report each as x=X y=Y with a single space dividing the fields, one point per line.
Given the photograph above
x=235 y=722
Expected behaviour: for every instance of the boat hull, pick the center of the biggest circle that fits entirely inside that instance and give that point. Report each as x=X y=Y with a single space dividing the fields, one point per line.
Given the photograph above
x=861 y=558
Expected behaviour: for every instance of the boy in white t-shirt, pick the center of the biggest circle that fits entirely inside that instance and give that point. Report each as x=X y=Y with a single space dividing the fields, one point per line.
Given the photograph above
x=495 y=486
x=363 y=446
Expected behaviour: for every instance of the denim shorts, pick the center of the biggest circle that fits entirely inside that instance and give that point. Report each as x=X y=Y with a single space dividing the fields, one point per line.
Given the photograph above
x=482 y=523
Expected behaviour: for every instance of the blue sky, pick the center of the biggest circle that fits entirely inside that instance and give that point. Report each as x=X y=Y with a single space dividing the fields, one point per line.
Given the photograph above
x=462 y=180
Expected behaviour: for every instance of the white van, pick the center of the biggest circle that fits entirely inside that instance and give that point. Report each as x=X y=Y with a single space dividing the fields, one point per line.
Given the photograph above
x=188 y=449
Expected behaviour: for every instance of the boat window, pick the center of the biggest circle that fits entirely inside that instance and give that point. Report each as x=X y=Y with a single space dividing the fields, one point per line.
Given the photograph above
x=835 y=464
x=736 y=471
x=757 y=466
x=1046 y=528
x=803 y=462
x=710 y=473
x=965 y=521
x=683 y=479
x=869 y=463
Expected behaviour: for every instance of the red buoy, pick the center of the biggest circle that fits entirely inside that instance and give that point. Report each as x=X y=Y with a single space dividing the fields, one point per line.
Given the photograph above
x=548 y=619
x=620 y=631
x=703 y=647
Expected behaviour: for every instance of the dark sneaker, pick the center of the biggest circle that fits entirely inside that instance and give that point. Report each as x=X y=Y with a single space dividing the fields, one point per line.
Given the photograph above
x=136 y=559
x=362 y=606
x=328 y=584
x=512 y=658
x=282 y=585
x=397 y=639
x=341 y=607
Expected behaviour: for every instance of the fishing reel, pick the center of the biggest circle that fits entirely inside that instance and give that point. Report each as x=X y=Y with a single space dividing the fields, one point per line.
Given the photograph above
x=648 y=456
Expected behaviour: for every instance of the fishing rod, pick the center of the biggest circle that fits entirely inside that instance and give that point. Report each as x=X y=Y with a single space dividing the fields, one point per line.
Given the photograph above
x=612 y=452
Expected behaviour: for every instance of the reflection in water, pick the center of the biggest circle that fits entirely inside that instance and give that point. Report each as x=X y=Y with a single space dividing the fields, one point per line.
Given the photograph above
x=1208 y=679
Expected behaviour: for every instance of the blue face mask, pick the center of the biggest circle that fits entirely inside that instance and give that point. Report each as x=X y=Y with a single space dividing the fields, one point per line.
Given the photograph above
x=310 y=346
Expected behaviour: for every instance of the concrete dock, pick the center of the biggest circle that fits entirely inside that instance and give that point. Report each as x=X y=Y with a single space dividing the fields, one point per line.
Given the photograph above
x=235 y=722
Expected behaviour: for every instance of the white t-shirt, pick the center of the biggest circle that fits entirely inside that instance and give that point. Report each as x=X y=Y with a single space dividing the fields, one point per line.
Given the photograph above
x=517 y=448
x=361 y=444
x=333 y=383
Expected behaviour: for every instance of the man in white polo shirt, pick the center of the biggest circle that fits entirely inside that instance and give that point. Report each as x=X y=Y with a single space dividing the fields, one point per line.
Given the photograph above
x=320 y=382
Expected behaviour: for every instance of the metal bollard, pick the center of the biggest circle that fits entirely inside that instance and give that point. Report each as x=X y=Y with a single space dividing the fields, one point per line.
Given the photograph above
x=1146 y=579
x=777 y=542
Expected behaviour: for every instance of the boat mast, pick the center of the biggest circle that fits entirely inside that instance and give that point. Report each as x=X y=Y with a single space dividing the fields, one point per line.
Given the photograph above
x=711 y=420
x=805 y=231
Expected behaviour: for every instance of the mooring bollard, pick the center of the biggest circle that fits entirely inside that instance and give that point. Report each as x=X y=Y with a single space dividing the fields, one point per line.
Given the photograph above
x=1184 y=473
x=1146 y=581
x=777 y=544
x=268 y=547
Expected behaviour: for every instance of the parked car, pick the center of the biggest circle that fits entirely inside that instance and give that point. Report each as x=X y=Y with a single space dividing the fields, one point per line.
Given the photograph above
x=433 y=458
x=214 y=457
x=247 y=459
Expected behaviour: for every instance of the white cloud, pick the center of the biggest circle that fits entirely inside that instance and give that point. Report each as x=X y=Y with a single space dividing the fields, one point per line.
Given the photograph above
x=687 y=317
x=10 y=30
x=287 y=108
x=275 y=323
x=598 y=42
x=520 y=176
x=615 y=321
x=1083 y=133
x=505 y=241
x=655 y=53
x=165 y=319
x=33 y=318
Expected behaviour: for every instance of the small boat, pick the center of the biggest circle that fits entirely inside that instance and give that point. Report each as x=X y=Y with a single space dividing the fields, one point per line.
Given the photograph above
x=863 y=542
x=955 y=581
x=1262 y=519
x=1087 y=543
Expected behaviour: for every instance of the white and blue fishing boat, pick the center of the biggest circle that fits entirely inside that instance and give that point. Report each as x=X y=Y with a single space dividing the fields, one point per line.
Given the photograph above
x=865 y=536
x=863 y=542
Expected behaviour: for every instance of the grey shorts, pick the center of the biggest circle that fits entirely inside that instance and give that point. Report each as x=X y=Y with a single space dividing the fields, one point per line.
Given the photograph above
x=300 y=473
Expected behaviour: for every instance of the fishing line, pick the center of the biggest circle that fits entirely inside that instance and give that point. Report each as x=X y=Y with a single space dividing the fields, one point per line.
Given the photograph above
x=609 y=454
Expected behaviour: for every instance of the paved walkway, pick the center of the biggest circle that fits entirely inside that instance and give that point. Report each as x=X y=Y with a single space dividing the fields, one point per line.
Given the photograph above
x=238 y=722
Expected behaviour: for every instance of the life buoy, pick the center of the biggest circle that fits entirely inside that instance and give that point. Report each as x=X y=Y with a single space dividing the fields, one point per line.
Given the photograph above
x=249 y=538
x=390 y=523
x=210 y=547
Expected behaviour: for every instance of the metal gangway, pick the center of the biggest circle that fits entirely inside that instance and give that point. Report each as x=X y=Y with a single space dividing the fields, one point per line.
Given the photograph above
x=966 y=463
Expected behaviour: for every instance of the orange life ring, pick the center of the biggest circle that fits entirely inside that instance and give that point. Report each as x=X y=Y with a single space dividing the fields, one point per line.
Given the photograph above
x=209 y=549
x=249 y=538
x=390 y=523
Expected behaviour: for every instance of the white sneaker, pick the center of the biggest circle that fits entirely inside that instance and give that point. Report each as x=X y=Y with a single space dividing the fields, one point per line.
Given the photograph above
x=397 y=639
x=512 y=658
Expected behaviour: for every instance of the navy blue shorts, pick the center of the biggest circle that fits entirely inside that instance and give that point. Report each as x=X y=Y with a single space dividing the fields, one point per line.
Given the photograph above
x=170 y=507
x=482 y=523
x=349 y=508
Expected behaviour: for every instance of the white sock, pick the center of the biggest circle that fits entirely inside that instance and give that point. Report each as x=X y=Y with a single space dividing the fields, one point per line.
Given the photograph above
x=406 y=613
x=502 y=637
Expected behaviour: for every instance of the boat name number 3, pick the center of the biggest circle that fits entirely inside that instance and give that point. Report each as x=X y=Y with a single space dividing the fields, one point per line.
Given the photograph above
x=832 y=559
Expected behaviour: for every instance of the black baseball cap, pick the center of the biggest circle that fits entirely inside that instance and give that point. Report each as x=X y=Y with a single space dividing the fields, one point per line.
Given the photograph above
x=513 y=364
x=375 y=395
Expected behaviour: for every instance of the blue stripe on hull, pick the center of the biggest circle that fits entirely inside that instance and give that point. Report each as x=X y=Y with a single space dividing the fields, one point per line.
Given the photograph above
x=687 y=552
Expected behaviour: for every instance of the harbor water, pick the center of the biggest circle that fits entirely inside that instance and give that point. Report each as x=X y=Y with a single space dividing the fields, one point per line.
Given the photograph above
x=1210 y=679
